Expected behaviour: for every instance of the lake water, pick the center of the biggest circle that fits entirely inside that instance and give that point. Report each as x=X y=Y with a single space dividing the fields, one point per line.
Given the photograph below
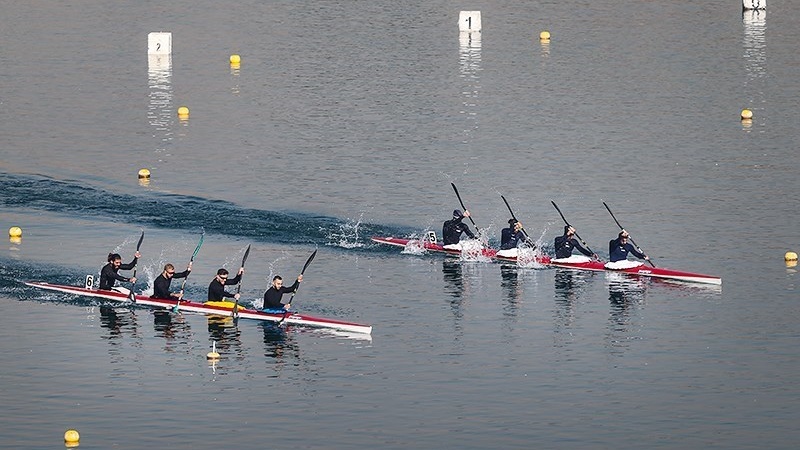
x=351 y=119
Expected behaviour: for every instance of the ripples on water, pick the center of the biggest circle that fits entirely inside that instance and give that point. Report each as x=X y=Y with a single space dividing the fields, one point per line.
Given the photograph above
x=347 y=120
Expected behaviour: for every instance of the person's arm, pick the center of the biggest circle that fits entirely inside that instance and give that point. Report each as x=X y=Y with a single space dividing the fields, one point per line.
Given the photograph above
x=109 y=273
x=632 y=248
x=183 y=274
x=233 y=280
x=292 y=288
x=130 y=265
x=581 y=249
x=466 y=230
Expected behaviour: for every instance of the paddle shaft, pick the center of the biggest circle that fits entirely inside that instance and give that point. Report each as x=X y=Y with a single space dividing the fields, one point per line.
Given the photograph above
x=622 y=228
x=235 y=311
x=305 y=266
x=191 y=260
x=138 y=246
x=464 y=208
x=567 y=224
x=527 y=237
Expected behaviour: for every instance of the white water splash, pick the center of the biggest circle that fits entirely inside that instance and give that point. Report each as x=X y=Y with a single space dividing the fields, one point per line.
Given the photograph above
x=416 y=245
x=472 y=250
x=347 y=236
x=527 y=256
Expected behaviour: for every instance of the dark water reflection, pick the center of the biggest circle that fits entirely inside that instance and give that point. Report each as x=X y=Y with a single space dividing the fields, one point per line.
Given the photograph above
x=279 y=343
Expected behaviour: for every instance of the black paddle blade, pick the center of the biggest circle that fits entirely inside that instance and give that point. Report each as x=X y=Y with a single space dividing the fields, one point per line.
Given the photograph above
x=139 y=245
x=509 y=207
x=461 y=202
x=559 y=213
x=310 y=258
x=239 y=286
x=614 y=217
x=246 y=254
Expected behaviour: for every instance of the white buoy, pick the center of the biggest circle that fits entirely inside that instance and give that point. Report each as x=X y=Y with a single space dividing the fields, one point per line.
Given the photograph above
x=469 y=21
x=754 y=4
x=159 y=43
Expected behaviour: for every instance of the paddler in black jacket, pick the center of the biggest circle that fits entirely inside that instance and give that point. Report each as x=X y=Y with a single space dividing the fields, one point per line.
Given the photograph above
x=162 y=282
x=565 y=243
x=216 y=290
x=273 y=295
x=619 y=248
x=109 y=274
x=452 y=229
x=513 y=235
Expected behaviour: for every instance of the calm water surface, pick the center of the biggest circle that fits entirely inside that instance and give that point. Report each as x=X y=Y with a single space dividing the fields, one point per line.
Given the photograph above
x=347 y=120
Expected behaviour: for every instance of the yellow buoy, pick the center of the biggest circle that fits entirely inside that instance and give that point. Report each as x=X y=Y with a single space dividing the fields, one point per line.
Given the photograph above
x=213 y=353
x=71 y=436
x=790 y=256
x=15 y=232
x=144 y=173
x=747 y=114
x=544 y=36
x=15 y=240
x=236 y=59
x=183 y=111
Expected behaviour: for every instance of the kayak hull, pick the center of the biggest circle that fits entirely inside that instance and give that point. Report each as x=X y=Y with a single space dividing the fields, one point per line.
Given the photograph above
x=202 y=308
x=596 y=266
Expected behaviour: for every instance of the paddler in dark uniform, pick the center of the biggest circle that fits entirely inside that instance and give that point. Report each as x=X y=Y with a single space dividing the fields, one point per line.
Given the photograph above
x=452 y=229
x=162 y=282
x=619 y=248
x=216 y=290
x=273 y=295
x=512 y=236
x=109 y=274
x=566 y=243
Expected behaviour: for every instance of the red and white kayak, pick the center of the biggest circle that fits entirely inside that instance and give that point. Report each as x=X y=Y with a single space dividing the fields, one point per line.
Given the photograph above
x=582 y=263
x=190 y=306
x=575 y=262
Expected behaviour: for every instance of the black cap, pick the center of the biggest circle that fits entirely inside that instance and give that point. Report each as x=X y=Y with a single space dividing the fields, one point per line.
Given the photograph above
x=512 y=221
x=457 y=214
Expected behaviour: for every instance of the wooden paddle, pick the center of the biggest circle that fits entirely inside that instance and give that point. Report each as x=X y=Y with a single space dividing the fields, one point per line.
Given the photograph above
x=305 y=266
x=138 y=246
x=235 y=312
x=183 y=284
x=576 y=233
x=527 y=238
x=622 y=228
